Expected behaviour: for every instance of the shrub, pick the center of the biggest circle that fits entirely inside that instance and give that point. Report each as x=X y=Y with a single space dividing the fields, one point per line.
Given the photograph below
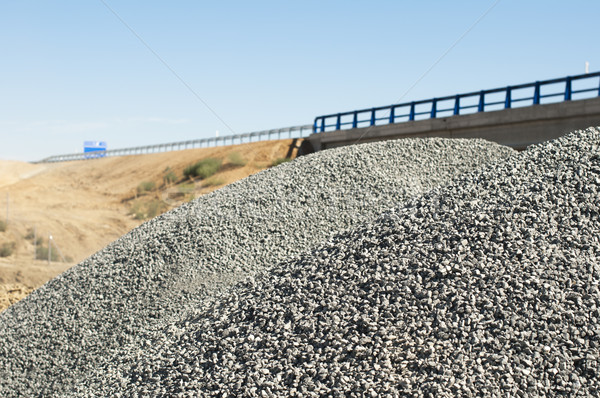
x=179 y=192
x=203 y=169
x=235 y=159
x=137 y=211
x=31 y=235
x=6 y=249
x=279 y=161
x=189 y=171
x=155 y=207
x=146 y=186
x=41 y=253
x=145 y=210
x=213 y=181
x=169 y=177
x=2 y=226
x=208 y=167
x=186 y=188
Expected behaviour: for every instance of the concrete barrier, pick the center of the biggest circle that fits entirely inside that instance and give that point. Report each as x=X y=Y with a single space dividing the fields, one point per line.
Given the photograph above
x=517 y=127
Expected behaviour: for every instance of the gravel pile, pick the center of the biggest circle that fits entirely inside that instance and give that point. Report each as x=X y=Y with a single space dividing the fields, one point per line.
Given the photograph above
x=485 y=287
x=108 y=307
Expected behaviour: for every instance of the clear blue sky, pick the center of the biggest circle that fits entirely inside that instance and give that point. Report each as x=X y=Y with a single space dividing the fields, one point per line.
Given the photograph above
x=71 y=71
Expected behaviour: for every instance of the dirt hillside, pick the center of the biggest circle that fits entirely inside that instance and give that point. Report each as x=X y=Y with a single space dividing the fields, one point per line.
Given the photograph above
x=84 y=205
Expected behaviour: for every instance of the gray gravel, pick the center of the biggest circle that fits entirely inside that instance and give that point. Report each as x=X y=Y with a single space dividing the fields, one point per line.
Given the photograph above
x=107 y=309
x=485 y=287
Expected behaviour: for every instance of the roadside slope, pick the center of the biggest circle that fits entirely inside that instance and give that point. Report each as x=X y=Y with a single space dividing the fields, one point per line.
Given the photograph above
x=85 y=205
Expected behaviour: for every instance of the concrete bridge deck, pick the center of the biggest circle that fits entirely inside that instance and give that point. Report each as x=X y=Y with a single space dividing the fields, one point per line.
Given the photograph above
x=516 y=127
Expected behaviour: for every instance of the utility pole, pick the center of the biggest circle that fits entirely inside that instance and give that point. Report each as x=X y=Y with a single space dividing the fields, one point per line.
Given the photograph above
x=49 y=249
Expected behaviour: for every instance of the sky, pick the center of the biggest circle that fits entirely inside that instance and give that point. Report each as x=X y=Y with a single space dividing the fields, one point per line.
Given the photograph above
x=72 y=71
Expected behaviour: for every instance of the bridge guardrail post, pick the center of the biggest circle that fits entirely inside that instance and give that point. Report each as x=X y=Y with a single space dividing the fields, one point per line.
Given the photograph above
x=457 y=105
x=433 y=108
x=411 y=115
x=373 y=117
x=536 y=94
x=568 y=91
x=508 y=100
x=481 y=106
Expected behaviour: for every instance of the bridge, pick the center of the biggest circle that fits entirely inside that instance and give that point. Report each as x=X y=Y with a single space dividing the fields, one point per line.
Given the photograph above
x=516 y=116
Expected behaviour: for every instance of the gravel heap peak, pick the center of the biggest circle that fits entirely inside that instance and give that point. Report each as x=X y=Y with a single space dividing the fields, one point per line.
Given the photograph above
x=488 y=286
x=89 y=324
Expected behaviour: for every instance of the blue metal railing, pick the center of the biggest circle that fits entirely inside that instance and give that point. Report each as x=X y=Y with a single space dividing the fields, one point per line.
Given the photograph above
x=571 y=88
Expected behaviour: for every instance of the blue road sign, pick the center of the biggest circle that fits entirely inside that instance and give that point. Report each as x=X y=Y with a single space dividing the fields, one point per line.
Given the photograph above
x=94 y=149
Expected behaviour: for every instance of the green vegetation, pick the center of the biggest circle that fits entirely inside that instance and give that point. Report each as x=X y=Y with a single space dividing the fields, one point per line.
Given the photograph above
x=186 y=188
x=203 y=169
x=6 y=249
x=279 y=161
x=137 y=211
x=236 y=160
x=41 y=253
x=143 y=210
x=146 y=186
x=213 y=181
x=2 y=226
x=31 y=235
x=169 y=176
x=180 y=192
x=155 y=207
